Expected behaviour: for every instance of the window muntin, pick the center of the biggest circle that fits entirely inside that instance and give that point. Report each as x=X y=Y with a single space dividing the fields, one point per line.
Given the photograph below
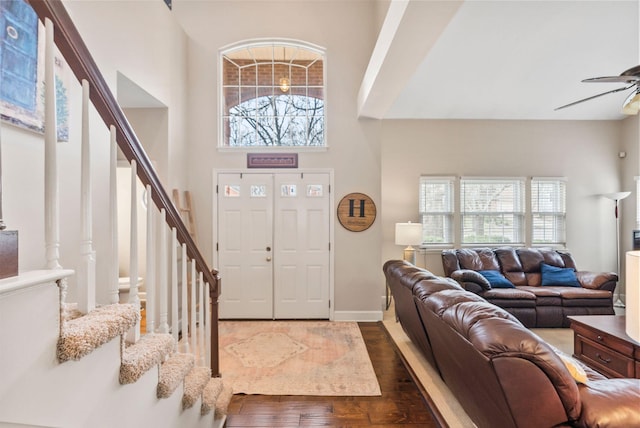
x=492 y=210
x=273 y=95
x=548 y=211
x=436 y=209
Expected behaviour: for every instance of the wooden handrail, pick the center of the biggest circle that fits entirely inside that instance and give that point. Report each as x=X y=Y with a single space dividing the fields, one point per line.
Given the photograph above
x=77 y=55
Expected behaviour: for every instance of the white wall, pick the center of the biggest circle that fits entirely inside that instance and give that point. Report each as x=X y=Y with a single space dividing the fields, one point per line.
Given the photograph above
x=585 y=152
x=353 y=151
x=154 y=56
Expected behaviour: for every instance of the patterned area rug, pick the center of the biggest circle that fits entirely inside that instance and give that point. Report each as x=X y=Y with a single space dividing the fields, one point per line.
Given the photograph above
x=296 y=358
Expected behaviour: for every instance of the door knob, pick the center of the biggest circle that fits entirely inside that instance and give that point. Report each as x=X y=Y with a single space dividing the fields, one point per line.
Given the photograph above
x=268 y=259
x=268 y=248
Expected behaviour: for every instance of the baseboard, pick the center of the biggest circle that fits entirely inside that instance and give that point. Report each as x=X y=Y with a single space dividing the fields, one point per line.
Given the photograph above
x=358 y=316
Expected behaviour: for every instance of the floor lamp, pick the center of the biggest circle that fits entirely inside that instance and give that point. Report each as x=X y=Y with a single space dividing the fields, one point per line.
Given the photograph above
x=409 y=234
x=616 y=197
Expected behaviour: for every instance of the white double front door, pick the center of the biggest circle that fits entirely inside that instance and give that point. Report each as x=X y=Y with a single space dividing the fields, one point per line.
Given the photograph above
x=273 y=245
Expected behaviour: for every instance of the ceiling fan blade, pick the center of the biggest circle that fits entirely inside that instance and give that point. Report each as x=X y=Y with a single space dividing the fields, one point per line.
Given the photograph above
x=613 y=79
x=594 y=96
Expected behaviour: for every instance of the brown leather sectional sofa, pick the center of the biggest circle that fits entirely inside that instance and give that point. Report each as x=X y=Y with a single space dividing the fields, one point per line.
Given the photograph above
x=531 y=300
x=503 y=374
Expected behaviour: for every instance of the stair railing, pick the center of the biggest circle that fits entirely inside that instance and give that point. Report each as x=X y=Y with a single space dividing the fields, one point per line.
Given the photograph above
x=203 y=279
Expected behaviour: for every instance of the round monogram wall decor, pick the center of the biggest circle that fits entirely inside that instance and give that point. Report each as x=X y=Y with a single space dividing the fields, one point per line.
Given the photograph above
x=356 y=212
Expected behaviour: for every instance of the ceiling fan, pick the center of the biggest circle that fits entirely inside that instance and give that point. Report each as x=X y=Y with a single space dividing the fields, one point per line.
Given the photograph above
x=630 y=77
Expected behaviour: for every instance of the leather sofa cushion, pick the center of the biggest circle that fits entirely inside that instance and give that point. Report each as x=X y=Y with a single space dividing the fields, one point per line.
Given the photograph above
x=569 y=293
x=478 y=259
x=463 y=316
x=610 y=403
x=443 y=300
x=498 y=336
x=508 y=293
x=427 y=287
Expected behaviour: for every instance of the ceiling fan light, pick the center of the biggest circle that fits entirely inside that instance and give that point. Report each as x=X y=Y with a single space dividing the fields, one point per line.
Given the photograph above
x=631 y=104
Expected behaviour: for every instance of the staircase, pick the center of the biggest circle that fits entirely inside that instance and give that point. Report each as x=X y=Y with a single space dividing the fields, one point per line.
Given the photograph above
x=87 y=363
x=80 y=372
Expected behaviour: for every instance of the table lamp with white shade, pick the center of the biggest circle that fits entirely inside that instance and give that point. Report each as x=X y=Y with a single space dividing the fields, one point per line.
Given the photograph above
x=409 y=234
x=616 y=197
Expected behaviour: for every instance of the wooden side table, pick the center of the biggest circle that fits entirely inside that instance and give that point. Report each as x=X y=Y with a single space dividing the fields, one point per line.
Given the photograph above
x=600 y=341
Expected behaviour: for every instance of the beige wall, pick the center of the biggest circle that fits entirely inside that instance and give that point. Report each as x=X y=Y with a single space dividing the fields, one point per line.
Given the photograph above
x=584 y=152
x=380 y=158
x=353 y=151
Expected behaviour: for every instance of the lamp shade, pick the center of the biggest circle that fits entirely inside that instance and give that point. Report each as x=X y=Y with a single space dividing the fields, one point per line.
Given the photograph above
x=632 y=291
x=616 y=196
x=408 y=233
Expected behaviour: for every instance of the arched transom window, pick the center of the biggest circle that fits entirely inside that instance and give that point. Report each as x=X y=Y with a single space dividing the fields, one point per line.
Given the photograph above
x=273 y=95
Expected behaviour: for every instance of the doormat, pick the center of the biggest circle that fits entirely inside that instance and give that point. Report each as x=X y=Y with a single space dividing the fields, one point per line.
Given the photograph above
x=296 y=358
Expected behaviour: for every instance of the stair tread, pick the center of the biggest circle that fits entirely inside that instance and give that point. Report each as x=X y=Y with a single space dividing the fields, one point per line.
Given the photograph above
x=80 y=336
x=210 y=395
x=222 y=403
x=172 y=372
x=194 y=384
x=138 y=358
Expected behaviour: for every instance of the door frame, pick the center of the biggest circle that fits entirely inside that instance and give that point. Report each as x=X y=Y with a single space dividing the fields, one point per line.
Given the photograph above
x=214 y=225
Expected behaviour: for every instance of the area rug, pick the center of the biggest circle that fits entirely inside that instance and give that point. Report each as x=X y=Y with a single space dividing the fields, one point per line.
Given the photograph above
x=296 y=358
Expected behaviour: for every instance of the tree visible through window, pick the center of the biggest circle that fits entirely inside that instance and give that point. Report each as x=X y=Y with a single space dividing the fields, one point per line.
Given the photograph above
x=492 y=211
x=273 y=95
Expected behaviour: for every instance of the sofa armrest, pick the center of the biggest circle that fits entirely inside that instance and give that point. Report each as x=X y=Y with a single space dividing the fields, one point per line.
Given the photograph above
x=468 y=278
x=610 y=403
x=597 y=280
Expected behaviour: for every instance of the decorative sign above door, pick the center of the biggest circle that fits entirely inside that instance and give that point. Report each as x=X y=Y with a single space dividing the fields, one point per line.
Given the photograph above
x=272 y=160
x=356 y=212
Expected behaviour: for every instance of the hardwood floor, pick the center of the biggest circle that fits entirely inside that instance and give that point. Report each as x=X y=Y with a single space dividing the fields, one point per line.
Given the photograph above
x=400 y=405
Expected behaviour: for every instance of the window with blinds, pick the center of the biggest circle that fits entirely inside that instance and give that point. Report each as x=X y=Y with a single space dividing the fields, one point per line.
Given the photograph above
x=437 y=209
x=492 y=210
x=548 y=211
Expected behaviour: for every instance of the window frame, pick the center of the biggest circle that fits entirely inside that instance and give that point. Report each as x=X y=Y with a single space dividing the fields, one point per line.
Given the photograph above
x=448 y=215
x=516 y=214
x=526 y=216
x=260 y=43
x=560 y=215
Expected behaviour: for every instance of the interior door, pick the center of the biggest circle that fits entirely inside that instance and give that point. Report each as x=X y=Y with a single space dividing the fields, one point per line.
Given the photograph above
x=245 y=232
x=301 y=245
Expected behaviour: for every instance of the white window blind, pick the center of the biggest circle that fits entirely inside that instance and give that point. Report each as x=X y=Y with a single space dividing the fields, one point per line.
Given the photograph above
x=436 y=209
x=548 y=210
x=492 y=210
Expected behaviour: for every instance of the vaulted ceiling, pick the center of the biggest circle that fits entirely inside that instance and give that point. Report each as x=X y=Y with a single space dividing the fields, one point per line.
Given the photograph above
x=500 y=59
x=479 y=59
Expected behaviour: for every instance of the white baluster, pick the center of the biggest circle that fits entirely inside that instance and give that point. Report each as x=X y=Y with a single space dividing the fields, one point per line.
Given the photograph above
x=207 y=323
x=201 y=338
x=175 y=326
x=51 y=201
x=114 y=274
x=184 y=325
x=134 y=333
x=194 y=294
x=164 y=326
x=150 y=280
x=87 y=271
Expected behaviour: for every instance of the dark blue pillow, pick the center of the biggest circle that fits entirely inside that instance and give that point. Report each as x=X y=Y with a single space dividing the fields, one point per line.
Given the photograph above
x=496 y=279
x=553 y=275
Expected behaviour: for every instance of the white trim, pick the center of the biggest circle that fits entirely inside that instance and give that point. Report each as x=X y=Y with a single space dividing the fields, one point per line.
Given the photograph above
x=357 y=316
x=32 y=278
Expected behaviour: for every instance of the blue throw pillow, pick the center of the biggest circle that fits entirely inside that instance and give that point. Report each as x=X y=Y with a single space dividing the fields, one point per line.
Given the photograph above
x=496 y=279
x=553 y=275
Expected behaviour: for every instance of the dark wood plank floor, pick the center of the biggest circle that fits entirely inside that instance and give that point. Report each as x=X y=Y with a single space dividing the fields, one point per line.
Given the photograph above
x=401 y=403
